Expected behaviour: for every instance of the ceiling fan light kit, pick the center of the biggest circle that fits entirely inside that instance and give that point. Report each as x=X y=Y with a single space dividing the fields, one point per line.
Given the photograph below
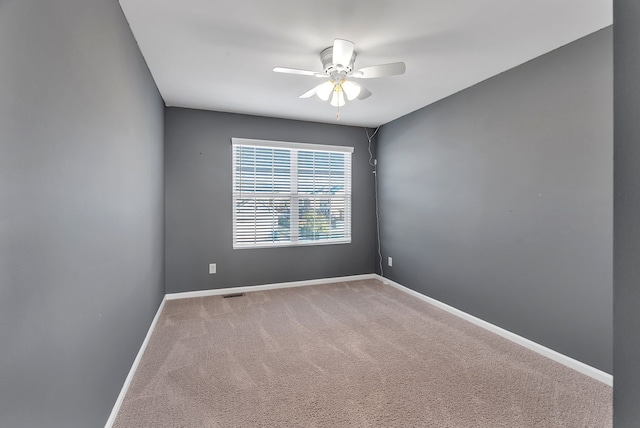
x=338 y=65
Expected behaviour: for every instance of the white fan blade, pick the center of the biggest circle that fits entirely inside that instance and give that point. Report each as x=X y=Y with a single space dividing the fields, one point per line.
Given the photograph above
x=295 y=71
x=364 y=93
x=342 y=52
x=308 y=94
x=382 y=70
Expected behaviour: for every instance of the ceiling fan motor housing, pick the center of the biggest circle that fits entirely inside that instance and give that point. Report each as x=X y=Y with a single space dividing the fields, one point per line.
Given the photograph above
x=326 y=56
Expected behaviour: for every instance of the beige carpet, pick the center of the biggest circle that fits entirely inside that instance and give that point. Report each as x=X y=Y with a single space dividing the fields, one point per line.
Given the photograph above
x=351 y=354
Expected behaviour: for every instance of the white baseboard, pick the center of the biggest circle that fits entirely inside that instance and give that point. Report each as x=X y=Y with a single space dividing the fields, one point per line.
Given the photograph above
x=579 y=366
x=250 y=288
x=134 y=367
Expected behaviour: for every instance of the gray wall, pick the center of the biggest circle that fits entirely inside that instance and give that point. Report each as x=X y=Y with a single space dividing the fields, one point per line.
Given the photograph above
x=626 y=256
x=81 y=223
x=198 y=204
x=498 y=200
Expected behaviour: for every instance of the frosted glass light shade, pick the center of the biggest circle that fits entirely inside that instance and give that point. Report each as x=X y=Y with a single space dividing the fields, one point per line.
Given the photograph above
x=351 y=89
x=323 y=91
x=337 y=99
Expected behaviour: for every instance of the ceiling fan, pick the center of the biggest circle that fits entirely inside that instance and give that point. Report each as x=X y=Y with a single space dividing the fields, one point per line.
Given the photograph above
x=337 y=64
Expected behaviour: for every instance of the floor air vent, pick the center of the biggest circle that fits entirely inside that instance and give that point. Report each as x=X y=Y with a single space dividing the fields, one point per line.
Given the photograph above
x=228 y=296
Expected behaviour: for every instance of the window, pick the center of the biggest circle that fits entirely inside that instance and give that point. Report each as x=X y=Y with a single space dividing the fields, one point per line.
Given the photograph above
x=290 y=194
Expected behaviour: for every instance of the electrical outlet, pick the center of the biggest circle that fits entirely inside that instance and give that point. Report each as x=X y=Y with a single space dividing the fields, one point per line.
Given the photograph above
x=212 y=268
x=390 y=262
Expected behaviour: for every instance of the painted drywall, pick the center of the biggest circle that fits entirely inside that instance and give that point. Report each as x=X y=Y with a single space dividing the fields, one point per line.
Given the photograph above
x=626 y=255
x=81 y=200
x=198 y=204
x=498 y=200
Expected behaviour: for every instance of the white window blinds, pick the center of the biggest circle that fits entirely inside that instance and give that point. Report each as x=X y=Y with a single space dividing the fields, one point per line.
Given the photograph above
x=290 y=194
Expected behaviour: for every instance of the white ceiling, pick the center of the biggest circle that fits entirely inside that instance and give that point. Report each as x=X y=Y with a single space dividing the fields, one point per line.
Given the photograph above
x=219 y=55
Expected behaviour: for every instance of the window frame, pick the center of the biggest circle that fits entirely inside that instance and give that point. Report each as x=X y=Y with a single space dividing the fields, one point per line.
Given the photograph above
x=293 y=196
